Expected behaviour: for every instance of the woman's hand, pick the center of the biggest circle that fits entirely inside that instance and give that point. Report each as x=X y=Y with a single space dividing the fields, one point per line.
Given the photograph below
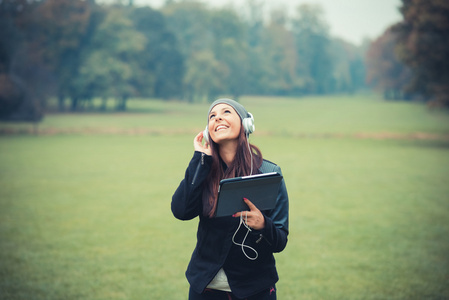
x=199 y=146
x=252 y=218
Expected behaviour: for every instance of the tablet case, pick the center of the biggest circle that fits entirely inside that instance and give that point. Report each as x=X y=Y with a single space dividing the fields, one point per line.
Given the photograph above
x=260 y=189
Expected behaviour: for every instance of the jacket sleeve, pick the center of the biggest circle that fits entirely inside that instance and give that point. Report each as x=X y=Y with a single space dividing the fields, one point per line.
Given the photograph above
x=187 y=200
x=276 y=221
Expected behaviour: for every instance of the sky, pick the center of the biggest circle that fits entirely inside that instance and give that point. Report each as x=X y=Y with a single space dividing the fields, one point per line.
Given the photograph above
x=352 y=20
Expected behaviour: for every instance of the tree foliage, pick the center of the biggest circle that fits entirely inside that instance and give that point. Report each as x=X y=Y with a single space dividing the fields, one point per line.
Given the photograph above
x=107 y=70
x=22 y=71
x=385 y=71
x=313 y=46
x=161 y=64
x=78 y=50
x=423 y=37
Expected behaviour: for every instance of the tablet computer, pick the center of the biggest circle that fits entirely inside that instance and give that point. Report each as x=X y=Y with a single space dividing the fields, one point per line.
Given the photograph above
x=260 y=189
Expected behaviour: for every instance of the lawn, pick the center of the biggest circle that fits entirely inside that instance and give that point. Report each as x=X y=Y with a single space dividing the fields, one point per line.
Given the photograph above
x=85 y=205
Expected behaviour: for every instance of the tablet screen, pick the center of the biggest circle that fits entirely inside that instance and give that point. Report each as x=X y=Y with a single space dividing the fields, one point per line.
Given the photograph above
x=260 y=189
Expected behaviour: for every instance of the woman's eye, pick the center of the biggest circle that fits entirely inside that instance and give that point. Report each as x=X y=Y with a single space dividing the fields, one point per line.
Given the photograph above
x=211 y=116
x=227 y=111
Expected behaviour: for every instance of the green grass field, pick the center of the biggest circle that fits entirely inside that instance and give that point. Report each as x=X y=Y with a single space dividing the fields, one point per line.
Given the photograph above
x=85 y=205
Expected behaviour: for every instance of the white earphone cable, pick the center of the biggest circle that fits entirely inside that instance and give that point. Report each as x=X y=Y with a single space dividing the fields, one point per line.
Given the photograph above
x=250 y=153
x=244 y=239
x=246 y=217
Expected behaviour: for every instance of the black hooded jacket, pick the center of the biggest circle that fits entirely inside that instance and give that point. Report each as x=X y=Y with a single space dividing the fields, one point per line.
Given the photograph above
x=215 y=249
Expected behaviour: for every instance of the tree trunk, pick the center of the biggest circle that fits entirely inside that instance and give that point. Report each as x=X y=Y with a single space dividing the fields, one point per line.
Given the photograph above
x=74 y=104
x=61 y=104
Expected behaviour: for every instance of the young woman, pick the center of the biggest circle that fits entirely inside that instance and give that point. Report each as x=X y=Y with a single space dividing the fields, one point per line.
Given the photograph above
x=230 y=261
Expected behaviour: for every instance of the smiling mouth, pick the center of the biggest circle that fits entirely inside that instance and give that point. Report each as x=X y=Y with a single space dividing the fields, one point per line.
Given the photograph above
x=221 y=127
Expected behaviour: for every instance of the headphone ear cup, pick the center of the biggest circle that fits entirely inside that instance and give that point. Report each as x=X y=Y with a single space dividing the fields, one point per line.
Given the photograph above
x=206 y=135
x=248 y=124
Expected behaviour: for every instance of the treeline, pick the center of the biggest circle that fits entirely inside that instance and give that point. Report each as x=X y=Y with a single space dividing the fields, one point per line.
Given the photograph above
x=77 y=50
x=411 y=59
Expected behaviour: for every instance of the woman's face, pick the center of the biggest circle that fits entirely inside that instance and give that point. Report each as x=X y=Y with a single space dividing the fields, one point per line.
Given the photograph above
x=224 y=123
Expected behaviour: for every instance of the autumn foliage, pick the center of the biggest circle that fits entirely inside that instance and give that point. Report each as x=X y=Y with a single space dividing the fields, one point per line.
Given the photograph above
x=423 y=44
x=385 y=71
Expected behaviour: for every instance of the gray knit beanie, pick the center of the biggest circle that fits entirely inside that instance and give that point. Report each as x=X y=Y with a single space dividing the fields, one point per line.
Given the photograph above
x=242 y=112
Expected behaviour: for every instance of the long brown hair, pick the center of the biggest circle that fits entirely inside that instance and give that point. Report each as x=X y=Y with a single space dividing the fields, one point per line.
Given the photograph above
x=241 y=166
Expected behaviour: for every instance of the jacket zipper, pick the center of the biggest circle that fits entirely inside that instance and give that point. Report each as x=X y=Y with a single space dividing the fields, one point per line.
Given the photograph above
x=261 y=236
x=198 y=168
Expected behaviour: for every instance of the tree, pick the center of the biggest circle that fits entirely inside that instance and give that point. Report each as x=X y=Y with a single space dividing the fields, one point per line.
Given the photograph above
x=161 y=63
x=57 y=35
x=231 y=50
x=315 y=63
x=190 y=21
x=257 y=81
x=423 y=37
x=205 y=76
x=109 y=64
x=20 y=71
x=349 y=66
x=11 y=96
x=215 y=47
x=385 y=71
x=280 y=57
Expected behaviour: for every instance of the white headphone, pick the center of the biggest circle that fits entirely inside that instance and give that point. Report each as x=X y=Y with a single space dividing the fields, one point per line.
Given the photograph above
x=247 y=123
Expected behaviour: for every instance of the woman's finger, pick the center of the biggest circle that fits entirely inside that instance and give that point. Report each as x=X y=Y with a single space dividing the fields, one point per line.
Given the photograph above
x=251 y=206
